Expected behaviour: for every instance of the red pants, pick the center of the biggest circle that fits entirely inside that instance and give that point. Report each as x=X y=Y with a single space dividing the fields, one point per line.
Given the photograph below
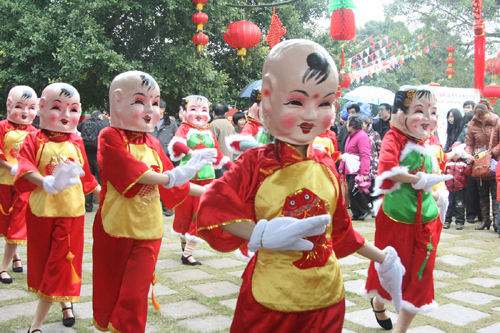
x=401 y=236
x=122 y=272
x=55 y=250
x=185 y=213
x=13 y=214
x=250 y=316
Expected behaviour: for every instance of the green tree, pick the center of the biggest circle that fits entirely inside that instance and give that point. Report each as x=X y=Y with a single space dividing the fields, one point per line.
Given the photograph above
x=87 y=43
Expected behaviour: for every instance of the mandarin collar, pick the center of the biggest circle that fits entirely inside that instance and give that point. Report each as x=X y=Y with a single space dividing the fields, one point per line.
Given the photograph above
x=288 y=154
x=196 y=127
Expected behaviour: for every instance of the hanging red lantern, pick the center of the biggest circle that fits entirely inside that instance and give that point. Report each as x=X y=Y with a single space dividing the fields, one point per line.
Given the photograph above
x=342 y=23
x=344 y=81
x=493 y=67
x=450 y=50
x=492 y=92
x=200 y=19
x=450 y=61
x=200 y=40
x=450 y=72
x=242 y=35
x=200 y=3
x=479 y=53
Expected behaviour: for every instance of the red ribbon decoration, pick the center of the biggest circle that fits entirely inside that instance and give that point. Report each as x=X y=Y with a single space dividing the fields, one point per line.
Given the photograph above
x=479 y=54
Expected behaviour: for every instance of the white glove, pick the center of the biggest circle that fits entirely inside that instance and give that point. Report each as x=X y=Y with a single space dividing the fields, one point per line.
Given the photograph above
x=184 y=173
x=204 y=154
x=442 y=203
x=460 y=151
x=64 y=177
x=351 y=161
x=286 y=233
x=13 y=169
x=390 y=274
x=428 y=180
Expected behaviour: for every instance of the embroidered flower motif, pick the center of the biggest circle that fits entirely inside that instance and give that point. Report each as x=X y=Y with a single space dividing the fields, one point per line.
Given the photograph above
x=408 y=102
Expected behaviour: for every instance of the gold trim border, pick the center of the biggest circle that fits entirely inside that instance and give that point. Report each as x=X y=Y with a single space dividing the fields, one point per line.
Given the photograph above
x=49 y=298
x=15 y=241
x=135 y=182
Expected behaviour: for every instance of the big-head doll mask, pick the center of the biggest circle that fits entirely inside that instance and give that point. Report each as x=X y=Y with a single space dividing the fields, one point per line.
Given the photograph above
x=134 y=102
x=60 y=108
x=299 y=82
x=197 y=111
x=415 y=112
x=22 y=105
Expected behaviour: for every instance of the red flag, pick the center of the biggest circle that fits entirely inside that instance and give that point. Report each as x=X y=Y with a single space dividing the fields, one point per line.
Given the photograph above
x=371 y=40
x=389 y=45
x=372 y=56
x=392 y=52
x=373 y=47
x=355 y=56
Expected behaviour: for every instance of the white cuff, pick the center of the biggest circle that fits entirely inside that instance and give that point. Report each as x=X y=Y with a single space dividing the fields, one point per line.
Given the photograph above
x=171 y=181
x=13 y=169
x=255 y=242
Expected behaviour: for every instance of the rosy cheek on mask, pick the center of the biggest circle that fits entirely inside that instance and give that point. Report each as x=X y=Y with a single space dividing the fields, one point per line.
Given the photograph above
x=327 y=121
x=137 y=115
x=54 y=117
x=288 y=121
x=74 y=119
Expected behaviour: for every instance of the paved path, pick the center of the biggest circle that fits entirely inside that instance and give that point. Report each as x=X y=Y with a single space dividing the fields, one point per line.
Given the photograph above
x=202 y=298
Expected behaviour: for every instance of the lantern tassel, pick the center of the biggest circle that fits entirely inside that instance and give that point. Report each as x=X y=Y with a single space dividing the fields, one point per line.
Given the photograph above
x=479 y=54
x=343 y=61
x=199 y=27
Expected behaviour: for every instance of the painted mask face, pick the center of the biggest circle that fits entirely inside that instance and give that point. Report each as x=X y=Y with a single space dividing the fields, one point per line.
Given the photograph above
x=298 y=92
x=421 y=119
x=197 y=111
x=136 y=102
x=22 y=105
x=60 y=108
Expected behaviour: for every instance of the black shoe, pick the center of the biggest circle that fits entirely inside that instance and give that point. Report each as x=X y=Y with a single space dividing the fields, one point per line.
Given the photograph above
x=34 y=331
x=354 y=218
x=5 y=280
x=17 y=269
x=460 y=226
x=185 y=261
x=89 y=210
x=386 y=324
x=68 y=322
x=446 y=225
x=168 y=212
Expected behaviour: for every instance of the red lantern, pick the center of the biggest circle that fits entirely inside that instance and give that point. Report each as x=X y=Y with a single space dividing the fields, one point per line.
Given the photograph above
x=344 y=81
x=492 y=92
x=450 y=72
x=242 y=35
x=342 y=24
x=200 y=40
x=450 y=50
x=493 y=67
x=200 y=19
x=450 y=61
x=200 y=3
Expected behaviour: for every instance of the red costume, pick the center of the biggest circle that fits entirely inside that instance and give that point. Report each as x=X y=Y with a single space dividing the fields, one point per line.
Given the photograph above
x=12 y=203
x=329 y=140
x=189 y=137
x=54 y=221
x=128 y=227
x=283 y=291
x=413 y=229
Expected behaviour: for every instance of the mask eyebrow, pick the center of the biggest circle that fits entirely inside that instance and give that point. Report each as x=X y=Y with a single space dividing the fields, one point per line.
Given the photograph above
x=332 y=93
x=140 y=94
x=300 y=91
x=56 y=100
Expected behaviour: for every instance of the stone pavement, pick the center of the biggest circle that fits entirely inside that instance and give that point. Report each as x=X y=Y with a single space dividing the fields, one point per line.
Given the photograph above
x=203 y=298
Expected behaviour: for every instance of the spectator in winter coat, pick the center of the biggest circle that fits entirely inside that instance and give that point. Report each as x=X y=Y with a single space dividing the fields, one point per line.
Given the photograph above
x=358 y=144
x=457 y=186
x=382 y=124
x=221 y=127
x=454 y=129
